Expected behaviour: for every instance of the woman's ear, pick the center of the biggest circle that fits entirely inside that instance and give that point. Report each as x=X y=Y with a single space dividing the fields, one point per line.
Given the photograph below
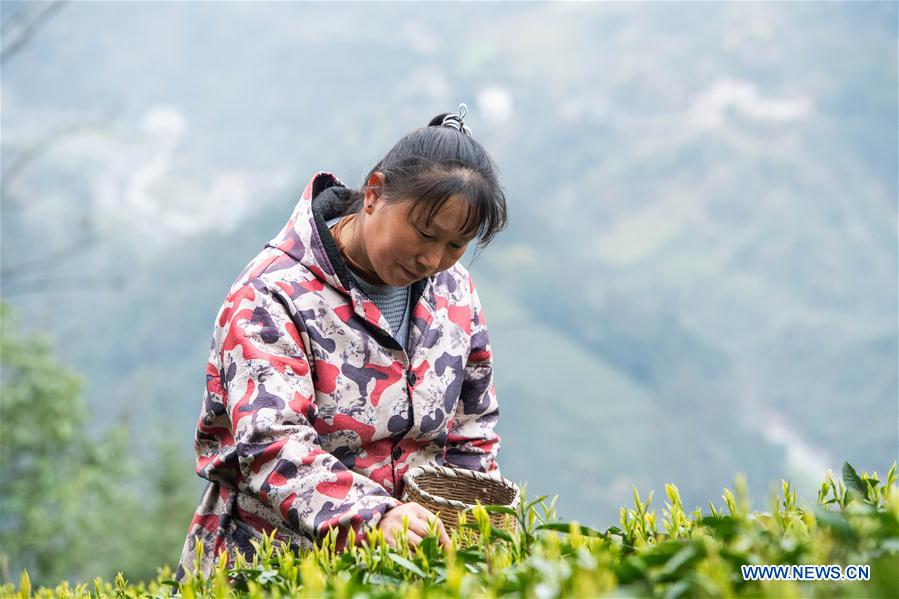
x=374 y=190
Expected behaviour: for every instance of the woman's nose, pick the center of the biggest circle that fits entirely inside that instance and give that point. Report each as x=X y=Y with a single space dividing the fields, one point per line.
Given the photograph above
x=429 y=260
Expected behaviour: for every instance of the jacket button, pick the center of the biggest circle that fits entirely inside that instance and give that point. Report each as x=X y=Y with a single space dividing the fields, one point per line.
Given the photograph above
x=411 y=378
x=397 y=453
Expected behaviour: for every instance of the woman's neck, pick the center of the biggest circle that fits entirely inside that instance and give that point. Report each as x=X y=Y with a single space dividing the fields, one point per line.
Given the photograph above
x=348 y=237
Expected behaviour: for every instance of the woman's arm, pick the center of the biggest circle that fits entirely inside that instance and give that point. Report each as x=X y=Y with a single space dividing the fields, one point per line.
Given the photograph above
x=472 y=442
x=268 y=394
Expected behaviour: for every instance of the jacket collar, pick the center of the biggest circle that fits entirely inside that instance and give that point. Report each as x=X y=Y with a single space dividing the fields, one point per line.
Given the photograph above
x=306 y=239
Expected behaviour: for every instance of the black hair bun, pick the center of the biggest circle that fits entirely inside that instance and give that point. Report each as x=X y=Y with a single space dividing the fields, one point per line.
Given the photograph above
x=437 y=121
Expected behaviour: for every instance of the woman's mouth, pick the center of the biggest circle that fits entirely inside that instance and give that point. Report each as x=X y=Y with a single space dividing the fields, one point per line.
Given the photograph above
x=409 y=274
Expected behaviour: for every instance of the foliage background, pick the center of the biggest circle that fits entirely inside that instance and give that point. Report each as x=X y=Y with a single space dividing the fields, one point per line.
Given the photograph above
x=699 y=277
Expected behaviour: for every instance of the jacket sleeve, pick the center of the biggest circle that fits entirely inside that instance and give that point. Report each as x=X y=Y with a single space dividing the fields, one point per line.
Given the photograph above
x=269 y=397
x=472 y=442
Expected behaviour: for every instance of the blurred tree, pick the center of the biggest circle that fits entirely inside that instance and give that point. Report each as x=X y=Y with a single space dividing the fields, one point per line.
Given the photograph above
x=71 y=503
x=158 y=528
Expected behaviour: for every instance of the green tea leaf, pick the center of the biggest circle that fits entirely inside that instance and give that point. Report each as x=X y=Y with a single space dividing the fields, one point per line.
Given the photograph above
x=853 y=481
x=536 y=501
x=725 y=527
x=676 y=564
x=678 y=589
x=381 y=579
x=566 y=528
x=473 y=555
x=499 y=533
x=429 y=546
x=402 y=561
x=500 y=509
x=269 y=576
x=835 y=522
x=631 y=569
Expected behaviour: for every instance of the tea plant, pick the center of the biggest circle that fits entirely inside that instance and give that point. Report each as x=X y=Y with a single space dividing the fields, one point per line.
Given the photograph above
x=686 y=554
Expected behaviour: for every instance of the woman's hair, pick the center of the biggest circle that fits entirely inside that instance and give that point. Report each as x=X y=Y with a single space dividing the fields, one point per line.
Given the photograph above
x=432 y=164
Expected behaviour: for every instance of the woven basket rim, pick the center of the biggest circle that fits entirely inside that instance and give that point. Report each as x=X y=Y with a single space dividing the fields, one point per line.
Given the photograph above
x=411 y=483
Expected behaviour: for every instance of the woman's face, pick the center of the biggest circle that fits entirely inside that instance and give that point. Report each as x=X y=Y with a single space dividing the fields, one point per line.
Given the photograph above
x=402 y=250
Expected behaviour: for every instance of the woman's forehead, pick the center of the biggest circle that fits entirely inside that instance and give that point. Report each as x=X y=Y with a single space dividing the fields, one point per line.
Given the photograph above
x=450 y=219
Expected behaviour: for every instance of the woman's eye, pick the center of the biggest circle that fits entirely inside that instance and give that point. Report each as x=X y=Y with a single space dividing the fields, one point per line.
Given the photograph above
x=425 y=235
x=456 y=246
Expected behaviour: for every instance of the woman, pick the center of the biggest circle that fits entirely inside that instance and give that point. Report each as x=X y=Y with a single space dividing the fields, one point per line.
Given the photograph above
x=352 y=348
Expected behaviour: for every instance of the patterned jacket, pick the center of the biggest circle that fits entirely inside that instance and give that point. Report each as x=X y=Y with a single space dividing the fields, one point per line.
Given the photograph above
x=313 y=411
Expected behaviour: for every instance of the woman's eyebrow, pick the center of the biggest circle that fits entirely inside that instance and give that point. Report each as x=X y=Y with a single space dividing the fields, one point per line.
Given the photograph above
x=441 y=232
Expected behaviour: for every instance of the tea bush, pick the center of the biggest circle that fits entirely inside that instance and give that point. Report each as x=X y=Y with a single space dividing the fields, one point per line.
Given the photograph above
x=687 y=554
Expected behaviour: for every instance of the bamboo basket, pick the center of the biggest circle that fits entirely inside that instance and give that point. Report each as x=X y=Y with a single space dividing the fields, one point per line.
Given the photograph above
x=448 y=491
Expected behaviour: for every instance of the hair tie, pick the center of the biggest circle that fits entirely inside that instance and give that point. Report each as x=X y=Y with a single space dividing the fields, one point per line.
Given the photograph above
x=457 y=121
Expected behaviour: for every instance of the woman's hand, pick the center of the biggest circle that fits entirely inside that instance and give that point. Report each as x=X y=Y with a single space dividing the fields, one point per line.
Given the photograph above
x=419 y=520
